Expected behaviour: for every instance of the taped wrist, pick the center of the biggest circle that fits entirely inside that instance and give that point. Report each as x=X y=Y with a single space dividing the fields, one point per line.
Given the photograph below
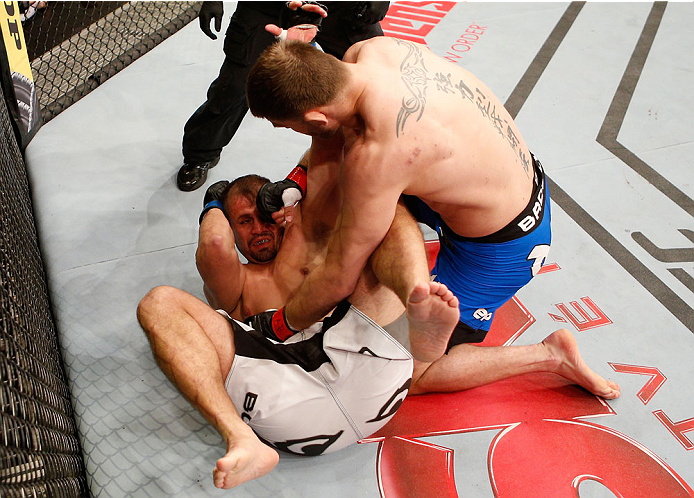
x=280 y=326
x=299 y=175
x=210 y=205
x=269 y=199
x=271 y=324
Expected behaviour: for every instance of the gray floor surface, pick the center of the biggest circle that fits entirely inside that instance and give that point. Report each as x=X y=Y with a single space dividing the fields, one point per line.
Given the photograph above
x=603 y=96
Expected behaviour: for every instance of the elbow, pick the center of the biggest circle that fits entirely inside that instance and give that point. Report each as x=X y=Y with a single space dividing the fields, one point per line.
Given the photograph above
x=344 y=290
x=342 y=282
x=211 y=250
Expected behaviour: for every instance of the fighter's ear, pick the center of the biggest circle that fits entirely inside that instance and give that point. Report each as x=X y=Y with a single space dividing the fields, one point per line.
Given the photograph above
x=315 y=116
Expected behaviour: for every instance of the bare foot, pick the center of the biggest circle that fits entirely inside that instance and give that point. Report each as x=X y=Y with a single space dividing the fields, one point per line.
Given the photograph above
x=247 y=458
x=432 y=312
x=562 y=345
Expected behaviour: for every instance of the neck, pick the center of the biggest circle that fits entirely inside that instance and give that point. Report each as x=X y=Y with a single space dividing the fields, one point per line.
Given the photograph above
x=346 y=109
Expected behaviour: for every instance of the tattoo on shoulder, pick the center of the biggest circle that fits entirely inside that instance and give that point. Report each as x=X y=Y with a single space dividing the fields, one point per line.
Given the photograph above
x=487 y=109
x=416 y=78
x=414 y=75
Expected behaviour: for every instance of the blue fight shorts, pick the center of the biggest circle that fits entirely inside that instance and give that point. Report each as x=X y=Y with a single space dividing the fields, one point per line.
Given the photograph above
x=485 y=272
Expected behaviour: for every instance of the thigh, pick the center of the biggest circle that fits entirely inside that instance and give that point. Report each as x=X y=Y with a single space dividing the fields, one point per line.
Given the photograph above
x=483 y=276
x=246 y=37
x=214 y=325
x=486 y=272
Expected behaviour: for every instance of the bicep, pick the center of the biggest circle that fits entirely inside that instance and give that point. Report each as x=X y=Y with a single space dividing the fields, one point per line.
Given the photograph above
x=321 y=204
x=224 y=290
x=369 y=200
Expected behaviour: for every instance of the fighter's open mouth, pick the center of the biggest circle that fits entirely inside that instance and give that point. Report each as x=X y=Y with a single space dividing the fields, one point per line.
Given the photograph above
x=261 y=241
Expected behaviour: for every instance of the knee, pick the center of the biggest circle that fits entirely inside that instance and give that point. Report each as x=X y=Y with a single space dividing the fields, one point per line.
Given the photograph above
x=156 y=297
x=153 y=305
x=419 y=383
x=416 y=388
x=424 y=383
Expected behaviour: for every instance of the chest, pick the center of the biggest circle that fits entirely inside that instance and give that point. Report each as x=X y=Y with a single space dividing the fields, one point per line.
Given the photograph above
x=272 y=289
x=259 y=296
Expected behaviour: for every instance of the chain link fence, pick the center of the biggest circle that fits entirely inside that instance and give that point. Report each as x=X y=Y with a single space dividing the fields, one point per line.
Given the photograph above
x=100 y=39
x=40 y=454
x=74 y=47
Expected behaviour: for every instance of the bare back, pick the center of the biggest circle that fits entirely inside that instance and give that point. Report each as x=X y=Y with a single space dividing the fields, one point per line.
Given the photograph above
x=441 y=133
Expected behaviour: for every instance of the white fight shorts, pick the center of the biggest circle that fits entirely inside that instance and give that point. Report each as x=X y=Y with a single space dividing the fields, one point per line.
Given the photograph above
x=324 y=388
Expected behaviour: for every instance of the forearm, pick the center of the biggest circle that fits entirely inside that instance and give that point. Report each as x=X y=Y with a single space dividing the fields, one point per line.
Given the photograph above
x=318 y=295
x=366 y=211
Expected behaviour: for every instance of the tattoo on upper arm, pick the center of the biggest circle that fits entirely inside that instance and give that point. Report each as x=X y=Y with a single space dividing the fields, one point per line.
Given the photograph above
x=414 y=75
x=488 y=110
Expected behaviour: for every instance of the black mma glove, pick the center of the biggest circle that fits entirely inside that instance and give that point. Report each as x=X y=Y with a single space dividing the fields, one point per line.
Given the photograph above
x=214 y=198
x=272 y=324
x=289 y=17
x=368 y=13
x=273 y=196
x=209 y=11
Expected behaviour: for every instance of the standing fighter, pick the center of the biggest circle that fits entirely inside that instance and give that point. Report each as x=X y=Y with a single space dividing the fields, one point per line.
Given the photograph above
x=413 y=124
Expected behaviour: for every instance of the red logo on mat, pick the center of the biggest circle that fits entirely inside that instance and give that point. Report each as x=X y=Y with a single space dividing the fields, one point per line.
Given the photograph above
x=656 y=381
x=540 y=448
x=583 y=319
x=414 y=20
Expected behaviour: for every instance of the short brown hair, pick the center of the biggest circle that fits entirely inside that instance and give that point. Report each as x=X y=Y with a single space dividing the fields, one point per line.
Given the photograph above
x=246 y=186
x=292 y=77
